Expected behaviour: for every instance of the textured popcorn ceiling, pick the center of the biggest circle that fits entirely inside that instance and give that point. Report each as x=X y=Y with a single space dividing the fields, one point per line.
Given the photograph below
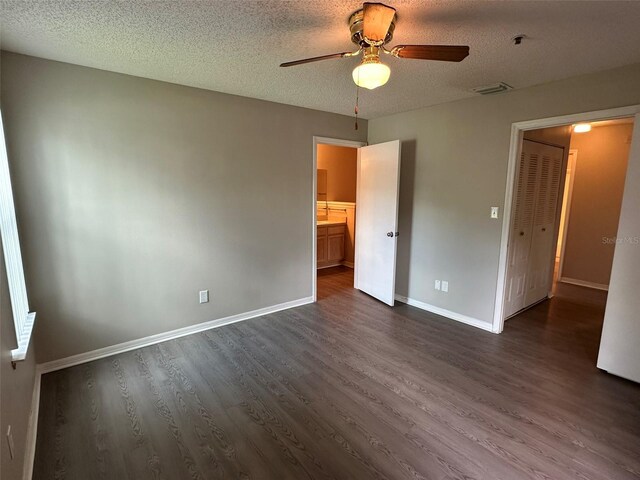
x=236 y=46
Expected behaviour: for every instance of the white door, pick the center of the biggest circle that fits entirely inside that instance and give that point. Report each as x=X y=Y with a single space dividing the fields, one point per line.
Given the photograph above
x=377 y=220
x=520 y=236
x=542 y=253
x=531 y=252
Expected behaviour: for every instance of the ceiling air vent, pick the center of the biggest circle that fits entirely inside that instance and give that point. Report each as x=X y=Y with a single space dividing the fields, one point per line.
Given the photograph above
x=491 y=89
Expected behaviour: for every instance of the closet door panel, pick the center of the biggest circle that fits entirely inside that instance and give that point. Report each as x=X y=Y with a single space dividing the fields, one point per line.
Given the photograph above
x=541 y=254
x=521 y=230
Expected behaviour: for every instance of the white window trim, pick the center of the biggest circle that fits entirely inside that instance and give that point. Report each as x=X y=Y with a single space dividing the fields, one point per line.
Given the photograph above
x=22 y=318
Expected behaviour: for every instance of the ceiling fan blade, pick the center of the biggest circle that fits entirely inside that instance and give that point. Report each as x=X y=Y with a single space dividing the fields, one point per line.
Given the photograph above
x=316 y=59
x=445 y=53
x=376 y=21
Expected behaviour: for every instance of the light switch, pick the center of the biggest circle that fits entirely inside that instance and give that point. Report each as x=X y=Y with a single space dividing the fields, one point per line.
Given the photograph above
x=494 y=212
x=437 y=285
x=445 y=286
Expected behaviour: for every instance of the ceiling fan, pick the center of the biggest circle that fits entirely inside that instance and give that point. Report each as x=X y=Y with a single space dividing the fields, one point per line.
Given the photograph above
x=371 y=29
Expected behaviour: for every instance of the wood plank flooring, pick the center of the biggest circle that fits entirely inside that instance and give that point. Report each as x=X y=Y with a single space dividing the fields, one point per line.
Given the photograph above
x=349 y=388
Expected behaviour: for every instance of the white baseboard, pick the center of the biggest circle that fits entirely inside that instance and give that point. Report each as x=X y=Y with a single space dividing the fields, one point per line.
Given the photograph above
x=474 y=322
x=584 y=283
x=163 y=337
x=32 y=429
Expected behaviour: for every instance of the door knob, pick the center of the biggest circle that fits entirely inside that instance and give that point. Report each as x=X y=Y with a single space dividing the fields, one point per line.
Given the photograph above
x=544 y=229
x=521 y=234
x=389 y=234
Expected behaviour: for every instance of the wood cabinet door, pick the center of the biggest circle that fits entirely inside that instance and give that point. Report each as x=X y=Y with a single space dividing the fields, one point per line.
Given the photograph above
x=322 y=245
x=336 y=247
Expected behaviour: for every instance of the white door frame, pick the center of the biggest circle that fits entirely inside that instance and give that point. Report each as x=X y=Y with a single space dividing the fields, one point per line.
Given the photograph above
x=515 y=149
x=314 y=210
x=566 y=208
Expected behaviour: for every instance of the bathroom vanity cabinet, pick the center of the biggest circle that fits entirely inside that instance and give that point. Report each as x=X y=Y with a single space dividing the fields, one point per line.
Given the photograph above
x=331 y=238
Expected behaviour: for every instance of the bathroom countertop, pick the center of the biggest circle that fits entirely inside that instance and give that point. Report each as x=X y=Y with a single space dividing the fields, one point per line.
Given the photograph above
x=324 y=223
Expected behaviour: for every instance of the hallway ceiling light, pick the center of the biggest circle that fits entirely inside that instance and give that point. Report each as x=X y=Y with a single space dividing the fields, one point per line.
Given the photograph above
x=582 y=128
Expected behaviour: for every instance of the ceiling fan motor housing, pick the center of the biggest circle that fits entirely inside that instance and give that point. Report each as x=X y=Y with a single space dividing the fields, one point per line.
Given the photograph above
x=356 y=26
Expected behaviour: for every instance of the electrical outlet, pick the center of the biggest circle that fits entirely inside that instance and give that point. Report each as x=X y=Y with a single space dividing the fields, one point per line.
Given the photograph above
x=445 y=286
x=494 y=212
x=10 y=441
x=204 y=296
x=437 y=285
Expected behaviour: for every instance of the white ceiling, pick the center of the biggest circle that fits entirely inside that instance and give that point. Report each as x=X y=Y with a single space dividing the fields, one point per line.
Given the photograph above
x=236 y=46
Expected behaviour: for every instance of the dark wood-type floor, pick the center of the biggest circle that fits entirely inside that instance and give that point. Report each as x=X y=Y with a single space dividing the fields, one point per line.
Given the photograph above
x=349 y=389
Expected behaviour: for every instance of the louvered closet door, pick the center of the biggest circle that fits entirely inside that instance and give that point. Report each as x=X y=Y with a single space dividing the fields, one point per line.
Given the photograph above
x=520 y=238
x=541 y=256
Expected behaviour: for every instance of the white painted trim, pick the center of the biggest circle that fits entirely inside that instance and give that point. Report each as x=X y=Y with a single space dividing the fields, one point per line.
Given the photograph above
x=566 y=206
x=517 y=130
x=584 y=283
x=22 y=319
x=20 y=353
x=458 y=317
x=314 y=199
x=163 y=337
x=356 y=283
x=593 y=116
x=32 y=429
x=515 y=150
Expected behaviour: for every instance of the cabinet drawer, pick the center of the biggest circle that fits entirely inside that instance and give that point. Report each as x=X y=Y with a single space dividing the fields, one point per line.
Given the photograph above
x=336 y=230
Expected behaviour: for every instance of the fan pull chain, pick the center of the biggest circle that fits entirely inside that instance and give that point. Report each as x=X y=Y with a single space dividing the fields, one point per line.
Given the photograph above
x=357 y=99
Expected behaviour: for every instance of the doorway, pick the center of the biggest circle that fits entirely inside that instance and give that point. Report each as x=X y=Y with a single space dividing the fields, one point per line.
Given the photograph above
x=334 y=207
x=594 y=187
x=374 y=217
x=538 y=231
x=336 y=185
x=532 y=233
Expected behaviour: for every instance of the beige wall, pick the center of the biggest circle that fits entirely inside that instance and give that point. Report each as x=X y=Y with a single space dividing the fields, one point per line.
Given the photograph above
x=133 y=195
x=598 y=186
x=454 y=166
x=16 y=387
x=341 y=166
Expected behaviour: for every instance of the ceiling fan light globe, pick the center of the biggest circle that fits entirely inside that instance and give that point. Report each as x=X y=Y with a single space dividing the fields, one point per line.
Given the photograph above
x=371 y=75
